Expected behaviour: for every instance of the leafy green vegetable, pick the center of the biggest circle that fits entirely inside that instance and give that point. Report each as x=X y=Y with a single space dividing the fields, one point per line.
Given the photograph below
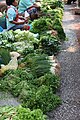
x=20 y=113
x=38 y=63
x=8 y=35
x=50 y=44
x=49 y=80
x=25 y=35
x=43 y=99
x=4 y=56
x=33 y=93
x=40 y=25
x=18 y=40
x=58 y=26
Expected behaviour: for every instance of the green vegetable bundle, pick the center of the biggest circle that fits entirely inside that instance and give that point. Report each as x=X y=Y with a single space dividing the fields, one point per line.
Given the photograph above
x=20 y=113
x=50 y=44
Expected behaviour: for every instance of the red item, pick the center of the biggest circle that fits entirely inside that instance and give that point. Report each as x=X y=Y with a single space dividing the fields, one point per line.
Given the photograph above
x=28 y=27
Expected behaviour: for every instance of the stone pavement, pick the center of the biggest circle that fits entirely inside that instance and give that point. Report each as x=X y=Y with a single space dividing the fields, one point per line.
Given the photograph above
x=7 y=99
x=69 y=58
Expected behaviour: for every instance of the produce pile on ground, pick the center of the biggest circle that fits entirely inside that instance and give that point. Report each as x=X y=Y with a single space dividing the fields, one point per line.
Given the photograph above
x=33 y=82
x=20 y=113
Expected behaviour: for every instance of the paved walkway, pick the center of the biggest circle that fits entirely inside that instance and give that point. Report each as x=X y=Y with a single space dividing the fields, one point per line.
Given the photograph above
x=7 y=99
x=70 y=70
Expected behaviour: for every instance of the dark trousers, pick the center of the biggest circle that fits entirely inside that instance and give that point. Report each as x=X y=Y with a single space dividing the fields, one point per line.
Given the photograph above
x=69 y=1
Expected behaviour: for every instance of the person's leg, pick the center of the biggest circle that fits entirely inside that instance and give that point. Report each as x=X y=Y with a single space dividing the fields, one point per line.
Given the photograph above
x=74 y=1
x=21 y=27
x=16 y=27
x=69 y=2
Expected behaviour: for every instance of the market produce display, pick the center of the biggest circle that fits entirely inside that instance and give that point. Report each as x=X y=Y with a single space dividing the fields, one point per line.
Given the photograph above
x=34 y=81
x=20 y=113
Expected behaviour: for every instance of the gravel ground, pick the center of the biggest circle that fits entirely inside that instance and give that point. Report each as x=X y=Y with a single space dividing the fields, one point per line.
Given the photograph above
x=7 y=99
x=69 y=59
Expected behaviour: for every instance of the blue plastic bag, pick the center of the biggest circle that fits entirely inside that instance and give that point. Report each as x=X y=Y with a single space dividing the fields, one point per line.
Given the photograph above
x=1 y=29
x=3 y=22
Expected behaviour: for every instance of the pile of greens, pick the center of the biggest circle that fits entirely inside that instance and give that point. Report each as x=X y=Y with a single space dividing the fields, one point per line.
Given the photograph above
x=20 y=113
x=4 y=56
x=18 y=40
x=34 y=85
x=39 y=26
x=38 y=64
x=50 y=4
x=50 y=44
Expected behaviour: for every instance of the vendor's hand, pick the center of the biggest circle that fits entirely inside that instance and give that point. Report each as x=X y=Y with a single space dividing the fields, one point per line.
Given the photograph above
x=21 y=17
x=26 y=20
x=20 y=22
